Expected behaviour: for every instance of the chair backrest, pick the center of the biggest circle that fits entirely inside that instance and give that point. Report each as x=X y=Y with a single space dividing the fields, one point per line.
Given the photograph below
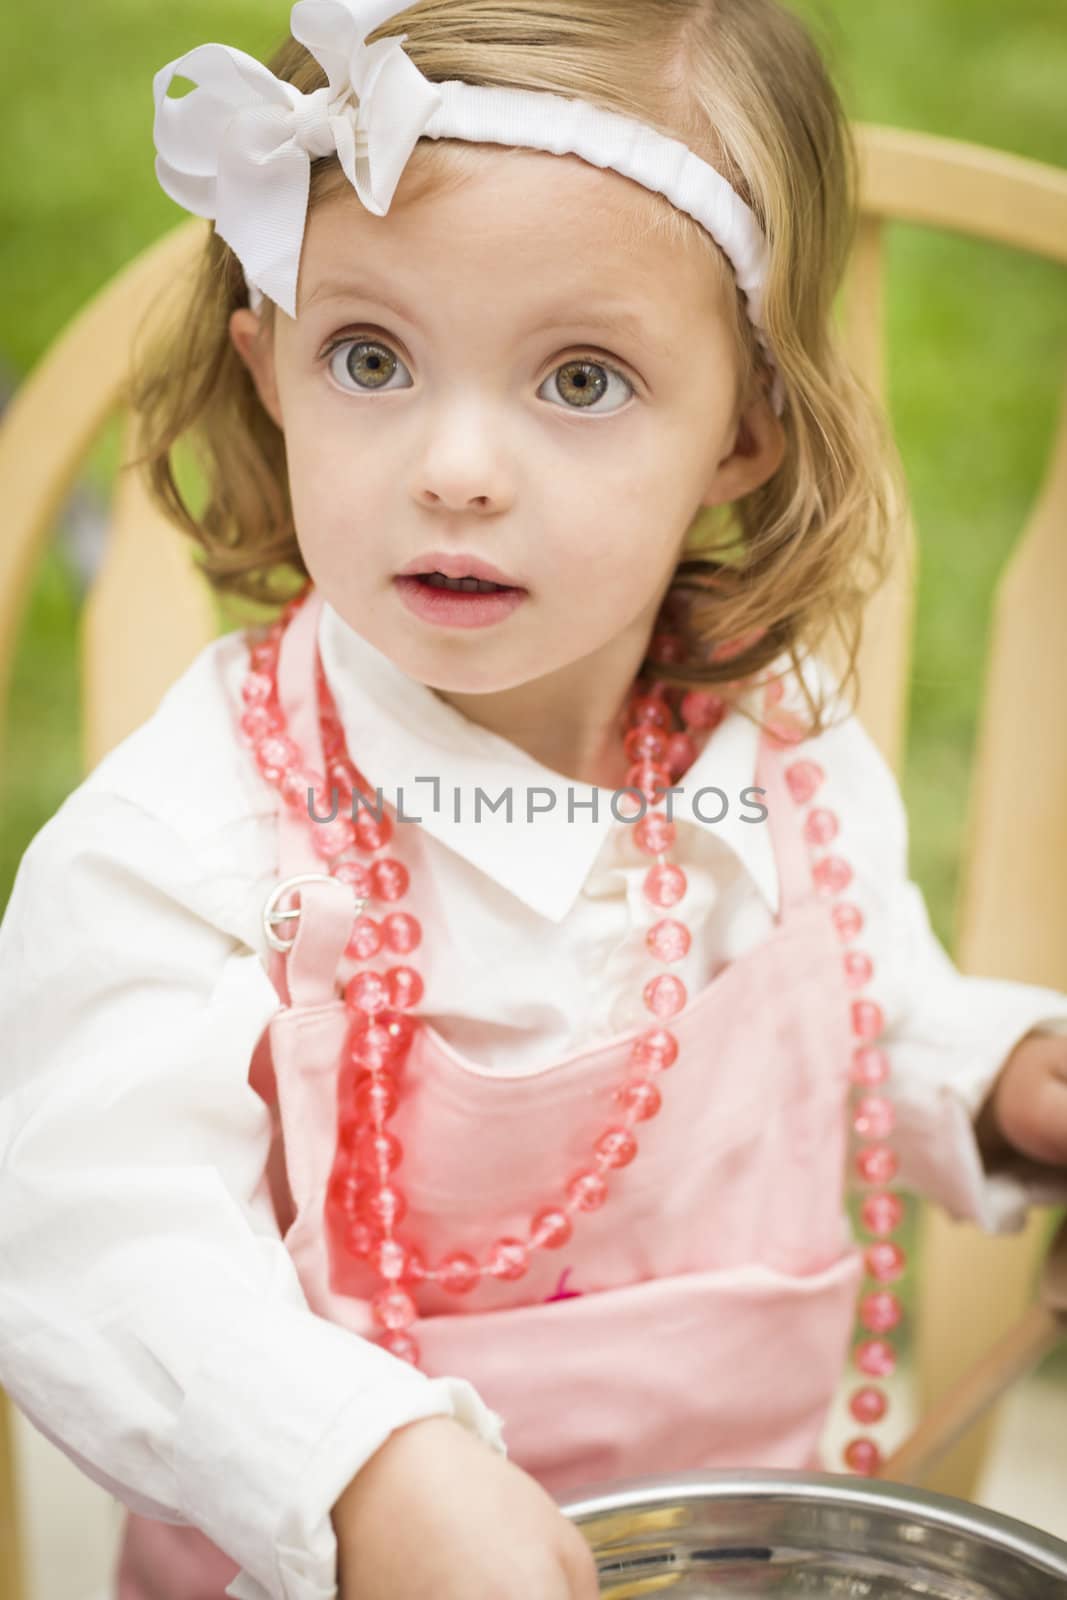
x=150 y=611
x=1007 y=924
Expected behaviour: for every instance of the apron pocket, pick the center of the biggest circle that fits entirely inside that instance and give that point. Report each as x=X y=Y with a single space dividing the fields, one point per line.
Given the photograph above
x=709 y=1369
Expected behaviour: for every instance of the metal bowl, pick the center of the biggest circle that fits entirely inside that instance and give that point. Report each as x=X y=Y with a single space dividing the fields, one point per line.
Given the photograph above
x=731 y=1535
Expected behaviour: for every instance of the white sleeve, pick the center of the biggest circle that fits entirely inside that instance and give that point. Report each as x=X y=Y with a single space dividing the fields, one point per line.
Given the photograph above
x=947 y=1035
x=151 y=1321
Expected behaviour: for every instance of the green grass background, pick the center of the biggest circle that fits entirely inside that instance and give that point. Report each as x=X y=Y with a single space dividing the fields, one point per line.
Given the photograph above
x=977 y=333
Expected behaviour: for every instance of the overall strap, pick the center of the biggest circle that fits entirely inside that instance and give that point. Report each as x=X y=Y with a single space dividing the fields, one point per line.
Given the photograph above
x=305 y=975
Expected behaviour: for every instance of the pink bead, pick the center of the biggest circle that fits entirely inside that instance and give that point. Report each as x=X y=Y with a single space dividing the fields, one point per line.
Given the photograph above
x=371 y=833
x=362 y=1236
x=868 y=1405
x=401 y=1344
x=390 y=1259
x=264 y=657
x=508 y=1259
x=681 y=753
x=859 y=968
x=386 y=1206
x=665 y=885
x=847 y=919
x=401 y=1030
x=668 y=940
x=702 y=710
x=831 y=875
x=774 y=693
x=803 y=779
x=275 y=755
x=346 y=1190
x=654 y=834
x=365 y=940
x=649 y=708
x=654 y=1050
x=393 y=1309
x=329 y=839
x=377 y=1151
x=870 y=1066
x=375 y=1049
x=867 y=1019
x=368 y=991
x=389 y=879
x=650 y=779
x=550 y=1228
x=375 y=1099
x=884 y=1261
x=641 y=1097
x=294 y=791
x=403 y=933
x=880 y=1311
x=616 y=1148
x=877 y=1164
x=646 y=743
x=863 y=1456
x=882 y=1213
x=459 y=1273
x=405 y=987
x=666 y=647
x=873 y=1117
x=356 y=875
x=876 y=1358
x=664 y=996
x=260 y=722
x=821 y=826
x=342 y=775
x=588 y=1190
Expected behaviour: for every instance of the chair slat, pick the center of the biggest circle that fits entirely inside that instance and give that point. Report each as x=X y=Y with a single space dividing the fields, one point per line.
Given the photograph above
x=132 y=652
x=884 y=656
x=57 y=413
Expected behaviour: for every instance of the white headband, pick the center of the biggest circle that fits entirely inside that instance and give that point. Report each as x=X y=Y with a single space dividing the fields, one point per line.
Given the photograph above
x=238 y=149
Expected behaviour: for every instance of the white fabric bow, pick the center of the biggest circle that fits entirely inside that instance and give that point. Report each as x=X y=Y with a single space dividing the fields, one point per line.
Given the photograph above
x=238 y=148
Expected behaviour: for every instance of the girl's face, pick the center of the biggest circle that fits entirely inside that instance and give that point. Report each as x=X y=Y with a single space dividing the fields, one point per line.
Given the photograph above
x=493 y=372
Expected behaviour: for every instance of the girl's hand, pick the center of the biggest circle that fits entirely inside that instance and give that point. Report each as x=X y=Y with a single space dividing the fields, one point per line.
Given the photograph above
x=436 y=1514
x=1026 y=1110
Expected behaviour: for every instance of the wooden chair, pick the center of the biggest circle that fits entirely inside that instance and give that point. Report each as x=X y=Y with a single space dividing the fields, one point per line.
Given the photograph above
x=1007 y=924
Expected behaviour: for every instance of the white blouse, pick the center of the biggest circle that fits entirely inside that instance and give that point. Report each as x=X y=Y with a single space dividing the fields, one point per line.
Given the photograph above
x=151 y=1321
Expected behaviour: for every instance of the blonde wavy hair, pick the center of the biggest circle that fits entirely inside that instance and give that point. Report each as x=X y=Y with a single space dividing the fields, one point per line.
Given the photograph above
x=742 y=83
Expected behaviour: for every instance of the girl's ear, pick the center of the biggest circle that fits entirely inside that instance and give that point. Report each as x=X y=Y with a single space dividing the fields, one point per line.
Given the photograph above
x=754 y=455
x=256 y=350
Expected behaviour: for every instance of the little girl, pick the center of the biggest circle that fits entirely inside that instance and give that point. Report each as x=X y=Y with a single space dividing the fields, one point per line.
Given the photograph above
x=433 y=1039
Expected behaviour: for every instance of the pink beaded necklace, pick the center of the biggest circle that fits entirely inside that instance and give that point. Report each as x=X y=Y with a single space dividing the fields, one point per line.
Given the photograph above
x=364 y=1199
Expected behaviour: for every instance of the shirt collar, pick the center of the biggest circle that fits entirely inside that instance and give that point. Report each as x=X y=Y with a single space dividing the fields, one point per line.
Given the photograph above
x=399 y=731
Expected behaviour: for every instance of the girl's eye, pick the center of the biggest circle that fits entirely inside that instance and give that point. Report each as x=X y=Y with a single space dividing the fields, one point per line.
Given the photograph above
x=369 y=363
x=372 y=365
x=583 y=382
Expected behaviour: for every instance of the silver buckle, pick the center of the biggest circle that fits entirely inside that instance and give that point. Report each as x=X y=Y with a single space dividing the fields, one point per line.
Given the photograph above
x=272 y=916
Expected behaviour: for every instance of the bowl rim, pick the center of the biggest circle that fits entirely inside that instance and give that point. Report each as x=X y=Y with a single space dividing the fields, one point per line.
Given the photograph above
x=842 y=1491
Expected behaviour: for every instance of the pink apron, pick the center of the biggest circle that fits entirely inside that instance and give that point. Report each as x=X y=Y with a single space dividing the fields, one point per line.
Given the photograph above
x=702 y=1318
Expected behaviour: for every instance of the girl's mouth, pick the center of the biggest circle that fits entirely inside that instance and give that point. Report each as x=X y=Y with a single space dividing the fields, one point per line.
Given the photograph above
x=437 y=580
x=458 y=602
